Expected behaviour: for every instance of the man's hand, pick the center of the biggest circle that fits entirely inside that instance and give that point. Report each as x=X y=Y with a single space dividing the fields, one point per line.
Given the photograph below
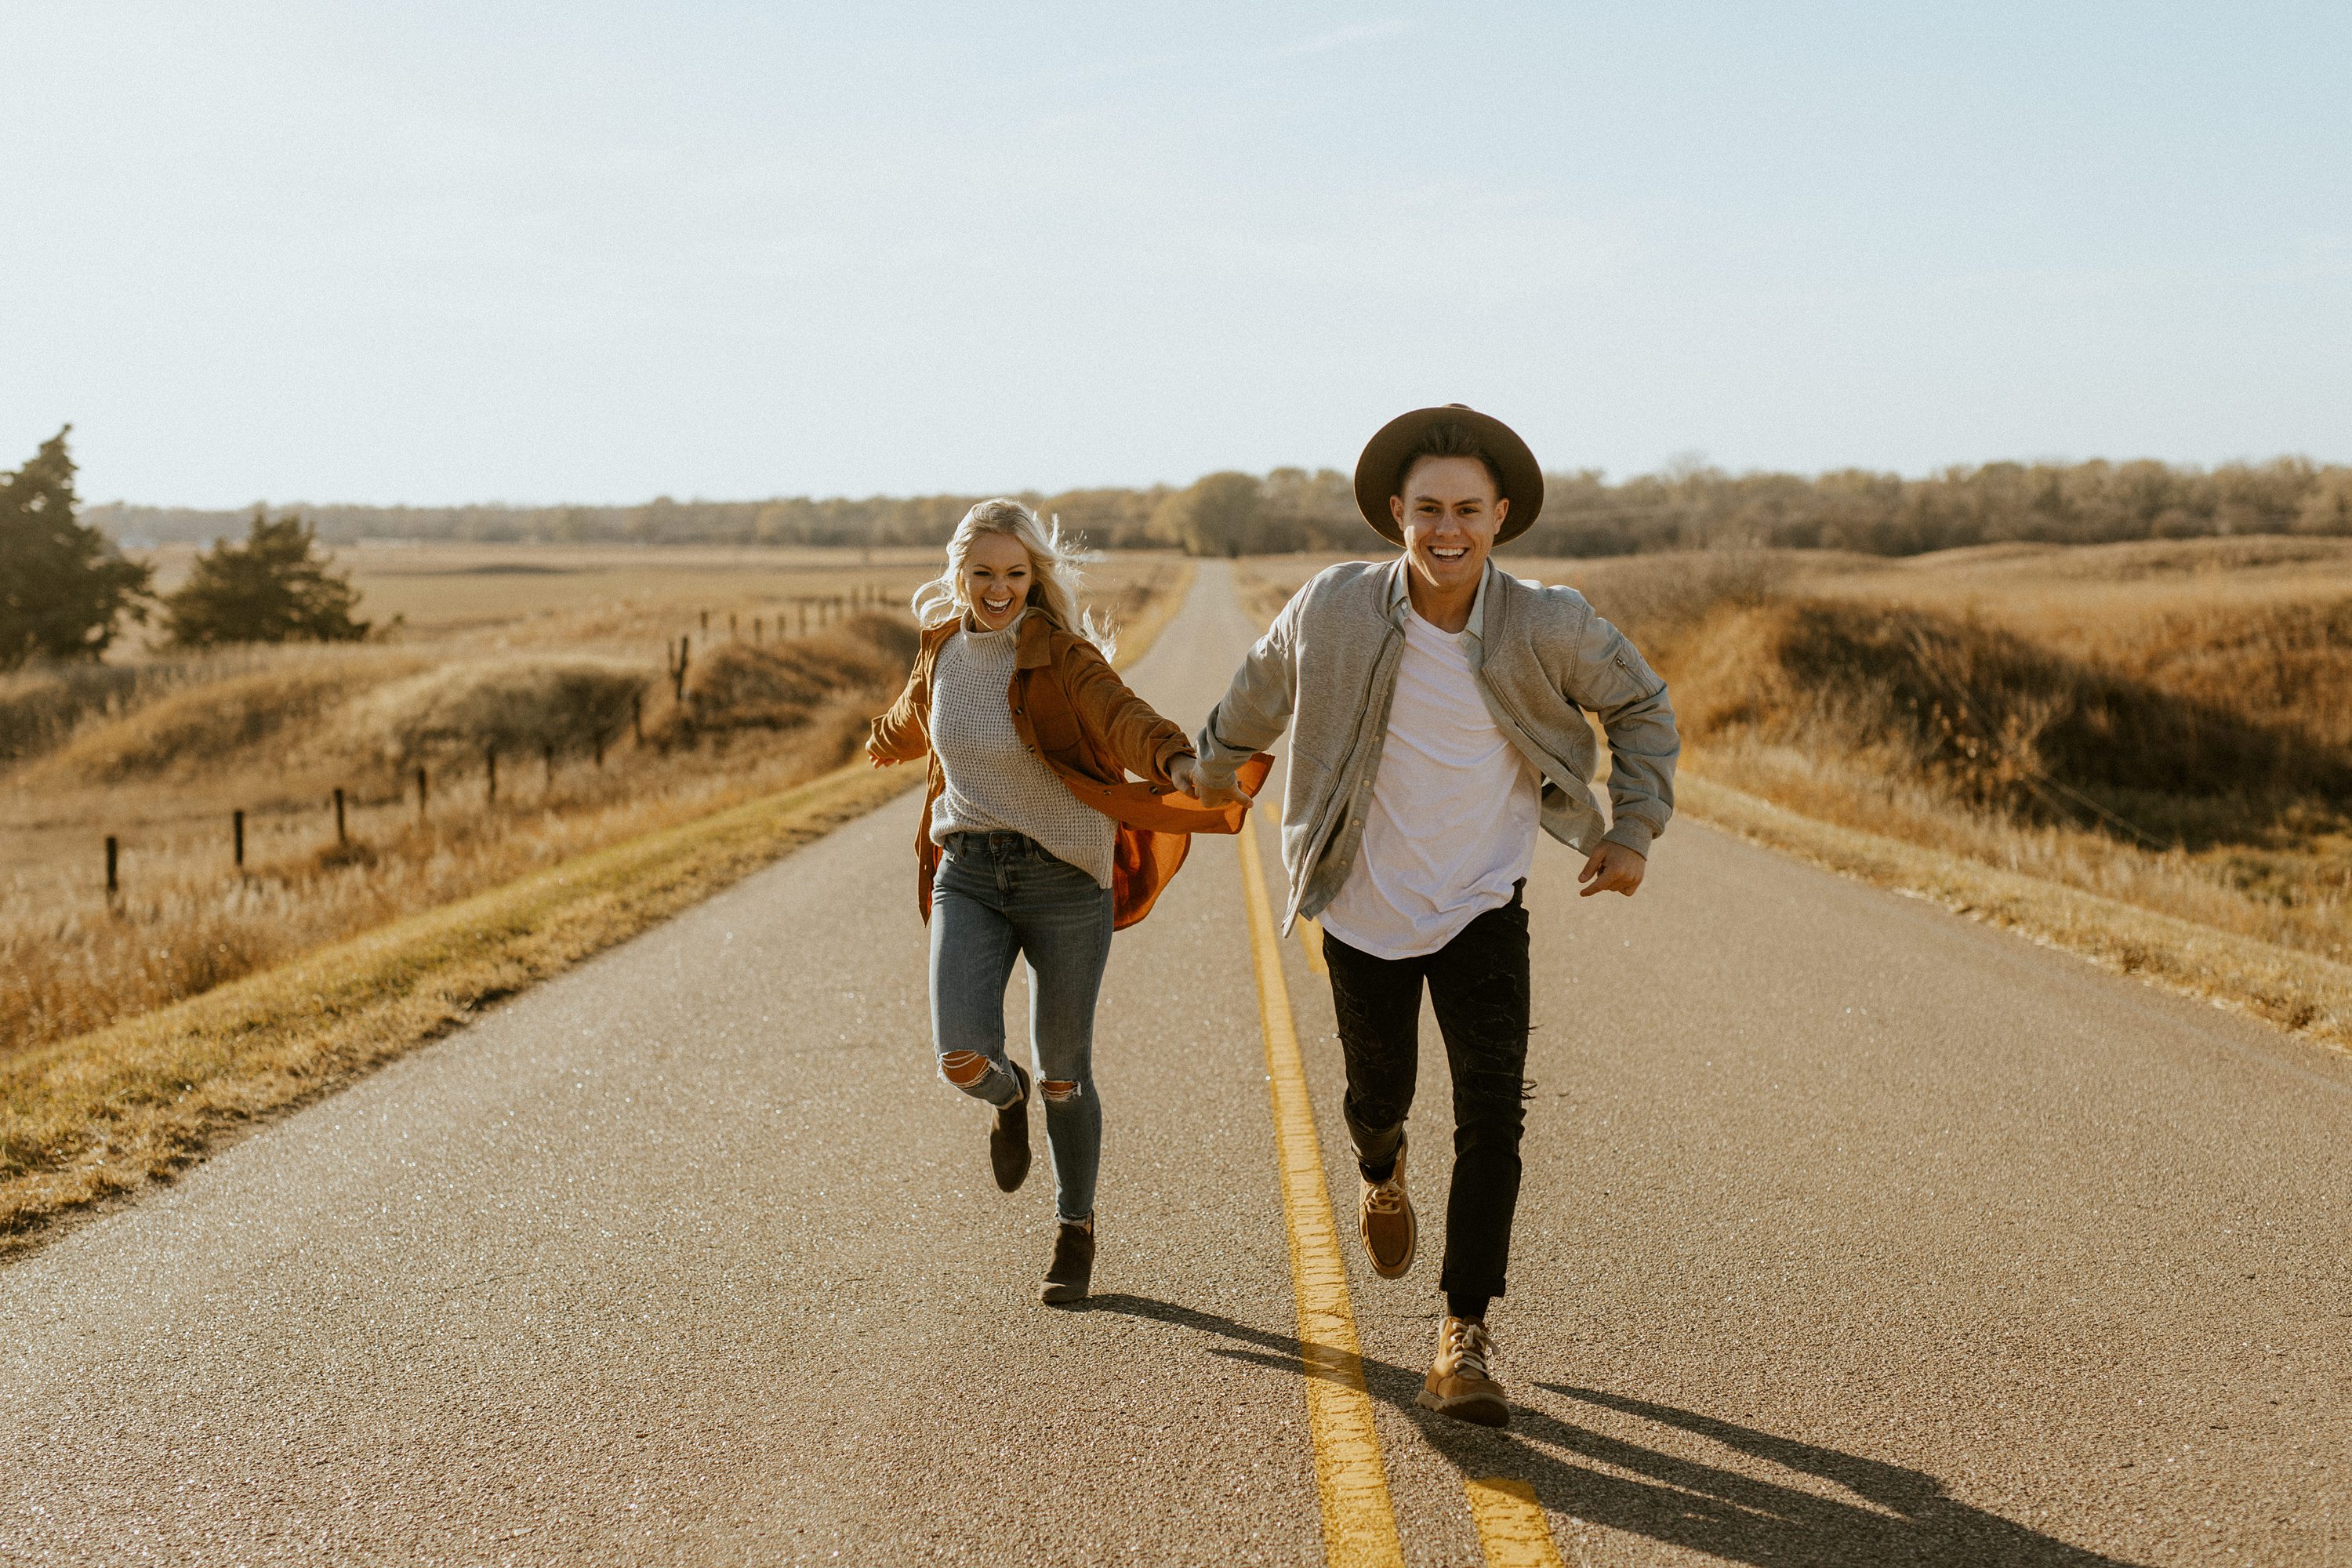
x=1611 y=868
x=1186 y=772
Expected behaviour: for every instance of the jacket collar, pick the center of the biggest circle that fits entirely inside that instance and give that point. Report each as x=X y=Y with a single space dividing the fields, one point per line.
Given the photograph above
x=1033 y=644
x=1399 y=596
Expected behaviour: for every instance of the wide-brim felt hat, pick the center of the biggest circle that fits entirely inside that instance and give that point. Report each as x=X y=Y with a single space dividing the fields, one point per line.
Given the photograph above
x=1380 y=469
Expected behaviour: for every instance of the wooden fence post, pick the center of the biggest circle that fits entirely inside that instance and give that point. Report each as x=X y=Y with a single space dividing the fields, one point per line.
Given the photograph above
x=420 y=794
x=113 y=887
x=706 y=623
x=547 y=755
x=637 y=716
x=236 y=826
x=490 y=772
x=341 y=837
x=730 y=626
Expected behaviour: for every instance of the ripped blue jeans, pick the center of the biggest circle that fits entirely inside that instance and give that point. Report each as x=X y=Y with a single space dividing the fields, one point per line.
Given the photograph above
x=996 y=896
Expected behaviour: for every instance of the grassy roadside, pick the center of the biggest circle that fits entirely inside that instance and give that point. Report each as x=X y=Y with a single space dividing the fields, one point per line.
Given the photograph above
x=105 y=1113
x=2297 y=991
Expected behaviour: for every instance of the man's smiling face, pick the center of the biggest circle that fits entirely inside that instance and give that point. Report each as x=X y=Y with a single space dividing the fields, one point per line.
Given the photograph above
x=1449 y=512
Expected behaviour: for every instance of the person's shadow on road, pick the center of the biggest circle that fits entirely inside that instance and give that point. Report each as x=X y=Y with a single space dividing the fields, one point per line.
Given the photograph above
x=1902 y=1516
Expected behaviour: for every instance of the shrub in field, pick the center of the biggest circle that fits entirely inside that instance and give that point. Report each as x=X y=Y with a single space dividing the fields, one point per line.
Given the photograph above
x=514 y=705
x=260 y=719
x=274 y=587
x=39 y=707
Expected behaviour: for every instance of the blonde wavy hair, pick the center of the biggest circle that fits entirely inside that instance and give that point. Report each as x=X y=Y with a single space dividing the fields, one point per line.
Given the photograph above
x=1055 y=575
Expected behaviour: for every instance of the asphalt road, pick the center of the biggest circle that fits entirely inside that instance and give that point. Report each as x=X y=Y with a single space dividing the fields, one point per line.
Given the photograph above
x=1852 y=1233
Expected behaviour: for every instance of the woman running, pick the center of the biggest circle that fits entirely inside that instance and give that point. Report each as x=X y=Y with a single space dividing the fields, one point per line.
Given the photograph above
x=1032 y=843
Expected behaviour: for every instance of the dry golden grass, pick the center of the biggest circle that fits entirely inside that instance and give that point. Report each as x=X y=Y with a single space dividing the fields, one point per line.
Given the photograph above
x=187 y=921
x=162 y=764
x=2181 y=750
x=278 y=1002
x=2162 y=727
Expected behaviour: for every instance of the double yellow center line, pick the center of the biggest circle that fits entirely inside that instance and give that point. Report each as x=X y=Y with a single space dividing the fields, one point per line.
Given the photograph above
x=1358 y=1522
x=1359 y=1528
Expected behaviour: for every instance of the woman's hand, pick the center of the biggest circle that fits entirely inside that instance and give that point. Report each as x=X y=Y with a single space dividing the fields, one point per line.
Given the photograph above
x=1186 y=770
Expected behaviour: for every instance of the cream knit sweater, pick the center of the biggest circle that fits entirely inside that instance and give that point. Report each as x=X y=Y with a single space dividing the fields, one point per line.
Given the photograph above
x=994 y=783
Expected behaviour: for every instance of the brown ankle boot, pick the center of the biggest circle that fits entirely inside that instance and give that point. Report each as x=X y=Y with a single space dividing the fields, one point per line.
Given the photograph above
x=1459 y=1382
x=1073 y=1268
x=1385 y=1222
x=1008 y=1139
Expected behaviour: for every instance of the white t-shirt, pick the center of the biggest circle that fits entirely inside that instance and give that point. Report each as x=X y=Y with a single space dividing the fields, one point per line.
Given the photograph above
x=1451 y=826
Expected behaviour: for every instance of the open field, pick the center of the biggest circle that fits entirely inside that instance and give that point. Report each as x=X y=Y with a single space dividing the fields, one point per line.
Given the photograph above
x=549 y=665
x=595 y=596
x=2167 y=726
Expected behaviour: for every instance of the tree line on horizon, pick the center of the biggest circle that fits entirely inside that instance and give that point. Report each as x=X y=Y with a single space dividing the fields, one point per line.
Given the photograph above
x=1689 y=506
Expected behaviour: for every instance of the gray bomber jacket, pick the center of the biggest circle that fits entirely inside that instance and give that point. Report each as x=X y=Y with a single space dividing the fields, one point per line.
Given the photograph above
x=1541 y=656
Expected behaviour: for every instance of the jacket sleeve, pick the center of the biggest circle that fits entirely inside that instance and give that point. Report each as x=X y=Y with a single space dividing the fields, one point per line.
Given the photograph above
x=904 y=733
x=1256 y=707
x=1611 y=679
x=1131 y=729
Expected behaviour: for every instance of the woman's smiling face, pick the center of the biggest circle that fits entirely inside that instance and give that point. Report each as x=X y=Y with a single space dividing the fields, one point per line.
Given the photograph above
x=996 y=579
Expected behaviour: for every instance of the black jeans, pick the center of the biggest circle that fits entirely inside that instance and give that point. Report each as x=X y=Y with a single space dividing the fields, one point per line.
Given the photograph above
x=1478 y=988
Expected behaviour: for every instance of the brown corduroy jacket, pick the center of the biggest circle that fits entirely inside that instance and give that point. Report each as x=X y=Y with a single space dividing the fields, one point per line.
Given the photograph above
x=1074 y=713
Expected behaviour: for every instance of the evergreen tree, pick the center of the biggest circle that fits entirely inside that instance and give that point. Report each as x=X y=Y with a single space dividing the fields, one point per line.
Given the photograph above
x=62 y=586
x=274 y=587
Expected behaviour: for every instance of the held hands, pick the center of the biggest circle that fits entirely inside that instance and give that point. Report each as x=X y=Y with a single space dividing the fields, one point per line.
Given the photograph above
x=1186 y=772
x=1611 y=868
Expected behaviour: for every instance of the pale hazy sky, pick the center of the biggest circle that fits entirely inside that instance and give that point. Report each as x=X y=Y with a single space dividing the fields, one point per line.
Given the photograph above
x=594 y=251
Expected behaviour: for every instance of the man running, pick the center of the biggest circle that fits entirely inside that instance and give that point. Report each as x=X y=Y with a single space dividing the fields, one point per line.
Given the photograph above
x=1438 y=710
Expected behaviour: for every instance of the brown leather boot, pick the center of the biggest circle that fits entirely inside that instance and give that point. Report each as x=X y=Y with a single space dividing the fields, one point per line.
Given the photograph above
x=1458 y=1384
x=1385 y=1222
x=1073 y=1268
x=1008 y=1139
